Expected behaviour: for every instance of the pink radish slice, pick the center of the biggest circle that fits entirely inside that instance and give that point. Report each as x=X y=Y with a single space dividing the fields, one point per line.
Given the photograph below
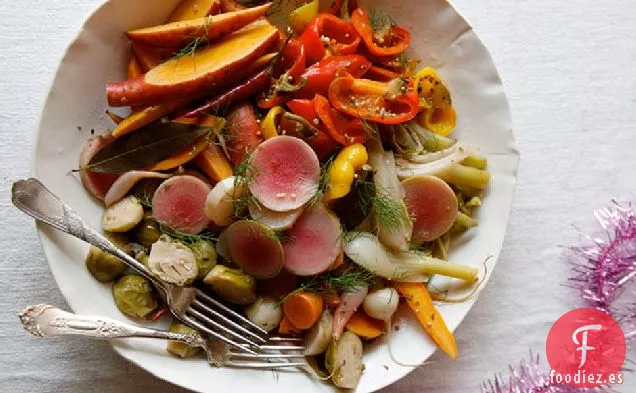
x=126 y=182
x=432 y=204
x=286 y=173
x=315 y=242
x=96 y=183
x=272 y=219
x=179 y=203
x=255 y=248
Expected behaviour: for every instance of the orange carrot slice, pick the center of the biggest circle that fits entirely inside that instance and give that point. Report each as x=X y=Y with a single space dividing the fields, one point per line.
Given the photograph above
x=208 y=28
x=364 y=326
x=420 y=301
x=193 y=9
x=303 y=309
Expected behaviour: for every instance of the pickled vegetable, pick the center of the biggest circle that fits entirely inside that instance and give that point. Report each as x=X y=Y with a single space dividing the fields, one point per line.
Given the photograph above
x=123 y=215
x=147 y=231
x=319 y=336
x=134 y=296
x=178 y=348
x=103 y=266
x=172 y=261
x=231 y=284
x=205 y=256
x=344 y=361
x=265 y=312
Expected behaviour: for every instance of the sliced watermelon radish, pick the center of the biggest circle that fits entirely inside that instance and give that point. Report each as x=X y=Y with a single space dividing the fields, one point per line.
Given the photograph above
x=315 y=242
x=272 y=219
x=179 y=203
x=287 y=172
x=96 y=183
x=432 y=204
x=254 y=248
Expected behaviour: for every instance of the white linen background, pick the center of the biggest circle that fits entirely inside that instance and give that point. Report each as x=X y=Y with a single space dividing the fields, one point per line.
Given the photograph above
x=568 y=69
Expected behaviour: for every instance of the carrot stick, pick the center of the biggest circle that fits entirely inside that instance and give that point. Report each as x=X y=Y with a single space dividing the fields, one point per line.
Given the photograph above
x=419 y=300
x=364 y=326
x=182 y=157
x=134 y=68
x=338 y=261
x=303 y=309
x=114 y=117
x=213 y=163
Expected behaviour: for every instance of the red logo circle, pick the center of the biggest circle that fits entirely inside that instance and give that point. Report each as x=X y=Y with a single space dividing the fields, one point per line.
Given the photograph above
x=586 y=348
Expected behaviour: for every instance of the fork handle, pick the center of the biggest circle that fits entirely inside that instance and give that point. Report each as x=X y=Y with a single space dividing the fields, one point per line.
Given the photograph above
x=34 y=199
x=44 y=320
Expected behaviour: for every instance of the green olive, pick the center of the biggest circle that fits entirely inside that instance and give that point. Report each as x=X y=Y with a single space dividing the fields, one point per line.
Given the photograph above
x=205 y=254
x=134 y=296
x=103 y=266
x=232 y=284
x=178 y=348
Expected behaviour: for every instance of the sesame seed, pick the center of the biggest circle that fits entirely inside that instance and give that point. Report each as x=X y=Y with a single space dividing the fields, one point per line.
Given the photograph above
x=316 y=121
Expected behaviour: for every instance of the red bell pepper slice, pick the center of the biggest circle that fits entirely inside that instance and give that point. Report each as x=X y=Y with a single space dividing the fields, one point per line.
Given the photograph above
x=380 y=74
x=343 y=38
x=343 y=128
x=375 y=101
x=391 y=41
x=320 y=75
x=322 y=143
x=286 y=75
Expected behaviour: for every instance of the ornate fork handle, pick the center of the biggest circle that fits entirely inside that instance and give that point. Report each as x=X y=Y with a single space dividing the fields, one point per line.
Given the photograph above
x=44 y=320
x=33 y=198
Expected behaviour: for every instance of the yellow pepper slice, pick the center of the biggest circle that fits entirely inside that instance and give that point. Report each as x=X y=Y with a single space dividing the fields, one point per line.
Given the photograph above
x=301 y=16
x=441 y=121
x=269 y=125
x=432 y=91
x=343 y=169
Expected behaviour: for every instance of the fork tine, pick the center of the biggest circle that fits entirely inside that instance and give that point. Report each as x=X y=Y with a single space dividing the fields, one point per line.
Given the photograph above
x=286 y=339
x=281 y=347
x=267 y=356
x=263 y=365
x=193 y=322
x=229 y=312
x=208 y=310
x=213 y=324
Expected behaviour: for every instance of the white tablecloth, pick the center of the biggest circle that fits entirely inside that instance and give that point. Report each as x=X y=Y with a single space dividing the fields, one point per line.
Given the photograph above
x=568 y=67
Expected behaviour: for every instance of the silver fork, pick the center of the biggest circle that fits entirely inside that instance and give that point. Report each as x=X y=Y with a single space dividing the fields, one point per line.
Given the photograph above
x=188 y=304
x=47 y=321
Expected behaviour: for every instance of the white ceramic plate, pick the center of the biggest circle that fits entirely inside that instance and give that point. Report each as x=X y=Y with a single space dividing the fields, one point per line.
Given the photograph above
x=441 y=38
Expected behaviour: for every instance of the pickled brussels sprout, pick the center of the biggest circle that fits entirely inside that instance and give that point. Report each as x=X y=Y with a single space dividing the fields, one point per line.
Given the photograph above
x=178 y=348
x=123 y=215
x=134 y=296
x=172 y=261
x=265 y=312
x=232 y=284
x=205 y=255
x=103 y=266
x=147 y=232
x=344 y=361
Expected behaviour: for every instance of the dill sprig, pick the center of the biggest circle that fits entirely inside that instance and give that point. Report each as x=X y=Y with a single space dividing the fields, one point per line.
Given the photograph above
x=381 y=22
x=244 y=173
x=145 y=199
x=187 y=238
x=323 y=180
x=390 y=214
x=349 y=280
x=189 y=49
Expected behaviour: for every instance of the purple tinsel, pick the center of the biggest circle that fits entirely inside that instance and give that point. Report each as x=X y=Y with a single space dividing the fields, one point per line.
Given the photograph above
x=601 y=271
x=603 y=268
x=529 y=377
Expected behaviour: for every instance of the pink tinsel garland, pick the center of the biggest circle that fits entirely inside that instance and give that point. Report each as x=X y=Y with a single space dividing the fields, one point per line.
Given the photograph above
x=601 y=271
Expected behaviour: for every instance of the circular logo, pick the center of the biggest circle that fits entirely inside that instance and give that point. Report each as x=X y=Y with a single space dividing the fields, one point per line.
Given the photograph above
x=585 y=348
